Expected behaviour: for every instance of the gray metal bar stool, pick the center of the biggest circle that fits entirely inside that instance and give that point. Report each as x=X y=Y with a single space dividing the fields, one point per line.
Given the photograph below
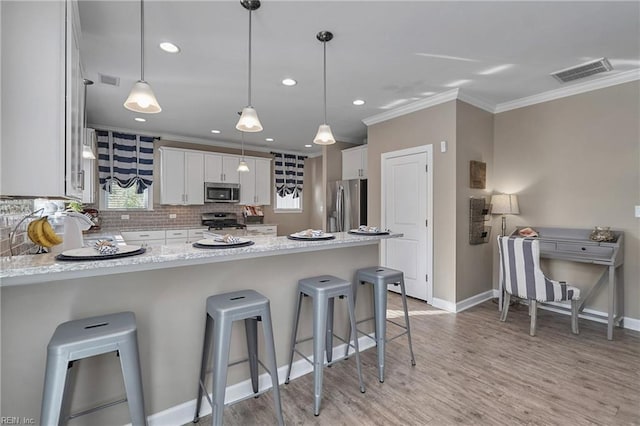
x=84 y=338
x=222 y=311
x=323 y=290
x=380 y=277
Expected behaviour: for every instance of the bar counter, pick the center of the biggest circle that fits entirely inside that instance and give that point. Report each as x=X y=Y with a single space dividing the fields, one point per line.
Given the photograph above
x=166 y=288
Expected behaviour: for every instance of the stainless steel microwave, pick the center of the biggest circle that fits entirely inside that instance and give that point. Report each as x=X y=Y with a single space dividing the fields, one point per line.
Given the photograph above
x=221 y=192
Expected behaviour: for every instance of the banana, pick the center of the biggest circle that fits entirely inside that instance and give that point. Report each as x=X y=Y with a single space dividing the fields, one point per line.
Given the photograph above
x=49 y=234
x=31 y=231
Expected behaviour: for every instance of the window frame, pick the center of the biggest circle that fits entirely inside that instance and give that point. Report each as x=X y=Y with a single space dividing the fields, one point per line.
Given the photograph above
x=276 y=209
x=103 y=204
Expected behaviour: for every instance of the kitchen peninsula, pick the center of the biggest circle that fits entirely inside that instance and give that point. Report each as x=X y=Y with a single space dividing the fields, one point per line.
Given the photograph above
x=166 y=288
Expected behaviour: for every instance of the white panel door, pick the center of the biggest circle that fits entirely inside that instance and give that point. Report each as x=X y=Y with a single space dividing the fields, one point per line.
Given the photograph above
x=405 y=201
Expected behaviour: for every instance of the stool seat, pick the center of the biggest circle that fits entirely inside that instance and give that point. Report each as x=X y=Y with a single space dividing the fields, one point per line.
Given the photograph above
x=323 y=290
x=380 y=277
x=222 y=311
x=84 y=338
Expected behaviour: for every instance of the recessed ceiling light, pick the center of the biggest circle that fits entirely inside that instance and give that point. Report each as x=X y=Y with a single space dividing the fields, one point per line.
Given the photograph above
x=140 y=119
x=457 y=83
x=169 y=47
x=289 y=82
x=358 y=102
x=215 y=131
x=269 y=139
x=495 y=69
x=308 y=146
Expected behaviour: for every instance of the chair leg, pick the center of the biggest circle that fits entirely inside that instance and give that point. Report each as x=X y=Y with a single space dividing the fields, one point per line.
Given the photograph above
x=505 y=306
x=574 y=316
x=294 y=333
x=533 y=308
x=406 y=320
x=251 y=329
x=267 y=329
x=206 y=350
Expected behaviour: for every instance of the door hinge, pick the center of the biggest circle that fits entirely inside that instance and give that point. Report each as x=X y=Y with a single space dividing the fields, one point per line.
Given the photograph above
x=426 y=278
x=426 y=168
x=426 y=222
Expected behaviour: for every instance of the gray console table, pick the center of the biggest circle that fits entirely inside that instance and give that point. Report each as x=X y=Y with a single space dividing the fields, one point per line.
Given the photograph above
x=574 y=245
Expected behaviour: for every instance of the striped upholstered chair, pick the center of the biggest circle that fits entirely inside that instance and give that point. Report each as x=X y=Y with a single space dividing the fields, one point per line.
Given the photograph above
x=521 y=276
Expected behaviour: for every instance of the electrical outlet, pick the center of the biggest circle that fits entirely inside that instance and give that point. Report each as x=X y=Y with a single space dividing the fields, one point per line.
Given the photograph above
x=124 y=217
x=172 y=216
x=443 y=146
x=637 y=211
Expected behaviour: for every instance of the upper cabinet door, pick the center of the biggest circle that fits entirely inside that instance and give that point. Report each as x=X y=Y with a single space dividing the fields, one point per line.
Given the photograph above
x=248 y=184
x=213 y=168
x=354 y=163
x=194 y=177
x=230 y=169
x=263 y=182
x=172 y=177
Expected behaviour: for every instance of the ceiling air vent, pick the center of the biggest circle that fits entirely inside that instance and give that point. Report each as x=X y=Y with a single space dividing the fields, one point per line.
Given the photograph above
x=109 y=79
x=583 y=70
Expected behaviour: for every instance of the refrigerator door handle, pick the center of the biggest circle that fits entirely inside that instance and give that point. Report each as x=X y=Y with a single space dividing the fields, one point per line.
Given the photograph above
x=340 y=208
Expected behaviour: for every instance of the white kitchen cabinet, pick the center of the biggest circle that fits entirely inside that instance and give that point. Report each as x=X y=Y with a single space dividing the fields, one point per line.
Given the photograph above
x=262 y=230
x=354 y=163
x=176 y=236
x=90 y=174
x=255 y=185
x=43 y=112
x=221 y=168
x=181 y=176
x=195 y=234
x=144 y=238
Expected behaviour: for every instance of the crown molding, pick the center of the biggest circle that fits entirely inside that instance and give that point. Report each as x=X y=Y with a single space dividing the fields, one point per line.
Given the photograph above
x=477 y=102
x=588 y=86
x=434 y=100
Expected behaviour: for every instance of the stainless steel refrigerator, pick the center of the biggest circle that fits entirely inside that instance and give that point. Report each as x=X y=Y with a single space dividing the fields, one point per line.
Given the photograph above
x=346 y=204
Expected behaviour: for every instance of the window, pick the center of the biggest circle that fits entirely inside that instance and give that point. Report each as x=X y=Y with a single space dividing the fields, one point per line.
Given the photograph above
x=126 y=198
x=288 y=204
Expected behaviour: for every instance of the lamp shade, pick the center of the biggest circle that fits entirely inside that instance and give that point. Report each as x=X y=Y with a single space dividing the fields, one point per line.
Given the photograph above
x=249 y=121
x=505 y=204
x=142 y=99
x=87 y=152
x=324 y=135
x=243 y=166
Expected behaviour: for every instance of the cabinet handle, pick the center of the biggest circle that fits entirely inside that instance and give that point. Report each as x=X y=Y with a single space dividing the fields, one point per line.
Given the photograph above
x=143 y=235
x=186 y=198
x=81 y=178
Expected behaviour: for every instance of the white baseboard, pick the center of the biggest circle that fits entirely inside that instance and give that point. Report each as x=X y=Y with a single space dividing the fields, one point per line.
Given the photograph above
x=445 y=305
x=464 y=304
x=183 y=413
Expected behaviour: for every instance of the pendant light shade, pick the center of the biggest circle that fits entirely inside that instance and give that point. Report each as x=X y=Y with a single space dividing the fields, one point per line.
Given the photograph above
x=249 y=121
x=324 y=135
x=242 y=165
x=141 y=97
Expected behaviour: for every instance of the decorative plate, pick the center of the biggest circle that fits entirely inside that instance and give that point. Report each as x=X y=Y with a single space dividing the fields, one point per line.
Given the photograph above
x=302 y=237
x=209 y=243
x=89 y=253
x=359 y=232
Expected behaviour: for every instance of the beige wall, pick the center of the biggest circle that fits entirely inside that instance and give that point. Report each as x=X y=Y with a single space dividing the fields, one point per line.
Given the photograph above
x=426 y=127
x=331 y=171
x=315 y=191
x=474 y=141
x=575 y=162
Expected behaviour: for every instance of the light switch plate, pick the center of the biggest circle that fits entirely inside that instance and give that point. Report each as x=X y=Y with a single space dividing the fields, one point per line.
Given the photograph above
x=443 y=146
x=124 y=217
x=637 y=211
x=172 y=216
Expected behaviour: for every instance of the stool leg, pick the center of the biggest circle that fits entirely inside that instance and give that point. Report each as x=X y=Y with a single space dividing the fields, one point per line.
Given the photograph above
x=352 y=318
x=53 y=393
x=69 y=386
x=328 y=346
x=406 y=320
x=130 y=363
x=354 y=293
x=380 y=316
x=270 y=349
x=293 y=337
x=320 y=305
x=206 y=349
x=222 y=333
x=251 y=328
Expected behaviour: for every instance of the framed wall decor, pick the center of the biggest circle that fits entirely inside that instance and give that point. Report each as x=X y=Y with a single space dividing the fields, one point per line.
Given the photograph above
x=477 y=174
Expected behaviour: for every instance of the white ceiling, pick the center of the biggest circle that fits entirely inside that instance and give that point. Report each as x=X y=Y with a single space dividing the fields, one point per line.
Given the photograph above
x=389 y=53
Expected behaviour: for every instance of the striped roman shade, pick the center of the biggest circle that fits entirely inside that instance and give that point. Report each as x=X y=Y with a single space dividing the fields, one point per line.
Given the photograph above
x=289 y=172
x=125 y=159
x=522 y=276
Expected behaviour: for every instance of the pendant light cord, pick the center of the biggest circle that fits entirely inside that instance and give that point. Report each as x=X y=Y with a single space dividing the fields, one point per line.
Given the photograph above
x=141 y=40
x=324 y=46
x=250 y=13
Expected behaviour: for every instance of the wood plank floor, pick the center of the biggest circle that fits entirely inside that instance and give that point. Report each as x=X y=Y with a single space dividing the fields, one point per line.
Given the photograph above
x=473 y=370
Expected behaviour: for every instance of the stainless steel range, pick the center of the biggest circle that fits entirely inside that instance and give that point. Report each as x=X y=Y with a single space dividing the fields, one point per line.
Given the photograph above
x=223 y=223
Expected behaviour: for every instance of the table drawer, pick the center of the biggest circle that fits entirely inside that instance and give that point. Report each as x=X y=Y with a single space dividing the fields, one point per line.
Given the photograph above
x=594 y=250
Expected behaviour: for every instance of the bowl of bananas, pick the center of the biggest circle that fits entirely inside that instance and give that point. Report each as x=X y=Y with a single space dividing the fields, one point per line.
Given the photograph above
x=41 y=233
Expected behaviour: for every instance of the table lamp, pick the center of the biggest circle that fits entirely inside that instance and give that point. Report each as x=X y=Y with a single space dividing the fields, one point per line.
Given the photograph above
x=504 y=204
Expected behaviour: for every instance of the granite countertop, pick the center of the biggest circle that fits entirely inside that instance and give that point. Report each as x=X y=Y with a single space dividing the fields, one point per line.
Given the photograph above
x=31 y=269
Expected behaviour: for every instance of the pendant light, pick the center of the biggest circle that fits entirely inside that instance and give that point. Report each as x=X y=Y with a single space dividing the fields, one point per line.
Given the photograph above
x=242 y=165
x=324 y=135
x=141 y=97
x=249 y=121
